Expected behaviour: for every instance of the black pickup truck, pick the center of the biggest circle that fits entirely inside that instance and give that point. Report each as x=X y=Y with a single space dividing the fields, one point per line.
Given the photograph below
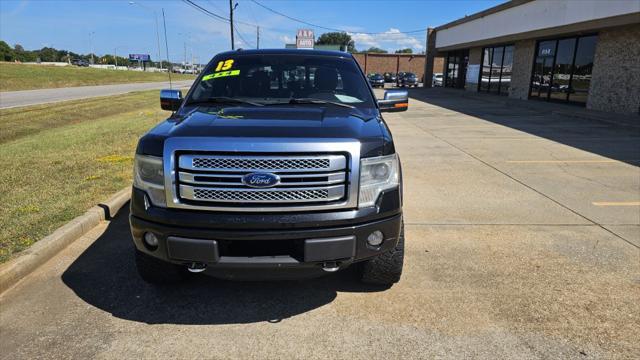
x=277 y=164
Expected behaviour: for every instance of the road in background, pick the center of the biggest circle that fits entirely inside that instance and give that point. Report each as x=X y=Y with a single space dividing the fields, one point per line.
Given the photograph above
x=34 y=97
x=510 y=253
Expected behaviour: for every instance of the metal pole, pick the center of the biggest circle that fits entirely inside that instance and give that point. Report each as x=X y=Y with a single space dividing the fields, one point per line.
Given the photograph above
x=91 y=45
x=233 y=47
x=158 y=38
x=166 y=44
x=115 y=56
x=258 y=37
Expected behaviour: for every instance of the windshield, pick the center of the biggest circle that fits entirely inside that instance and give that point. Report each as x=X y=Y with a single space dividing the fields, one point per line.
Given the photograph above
x=279 y=78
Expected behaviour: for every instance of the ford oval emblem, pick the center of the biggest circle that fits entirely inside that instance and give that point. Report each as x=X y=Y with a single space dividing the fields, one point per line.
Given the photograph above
x=261 y=180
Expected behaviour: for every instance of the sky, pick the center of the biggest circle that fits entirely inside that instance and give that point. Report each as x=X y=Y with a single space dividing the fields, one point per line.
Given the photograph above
x=124 y=26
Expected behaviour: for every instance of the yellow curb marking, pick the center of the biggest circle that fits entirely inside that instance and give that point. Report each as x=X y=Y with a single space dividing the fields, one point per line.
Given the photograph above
x=616 y=203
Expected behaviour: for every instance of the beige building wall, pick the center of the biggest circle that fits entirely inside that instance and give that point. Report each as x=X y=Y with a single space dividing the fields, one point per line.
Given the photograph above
x=615 y=81
x=523 y=53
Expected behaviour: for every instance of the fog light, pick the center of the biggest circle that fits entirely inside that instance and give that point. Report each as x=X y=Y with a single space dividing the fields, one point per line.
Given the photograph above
x=375 y=238
x=151 y=240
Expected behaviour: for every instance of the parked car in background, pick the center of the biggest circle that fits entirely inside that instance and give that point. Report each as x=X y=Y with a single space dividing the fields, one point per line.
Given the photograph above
x=376 y=80
x=390 y=77
x=408 y=79
x=80 y=62
x=437 y=79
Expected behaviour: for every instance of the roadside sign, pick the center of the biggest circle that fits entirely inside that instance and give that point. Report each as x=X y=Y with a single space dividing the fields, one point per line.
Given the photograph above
x=139 y=57
x=305 y=39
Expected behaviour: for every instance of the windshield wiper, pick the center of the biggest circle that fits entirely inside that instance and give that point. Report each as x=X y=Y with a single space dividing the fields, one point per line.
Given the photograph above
x=223 y=100
x=311 y=101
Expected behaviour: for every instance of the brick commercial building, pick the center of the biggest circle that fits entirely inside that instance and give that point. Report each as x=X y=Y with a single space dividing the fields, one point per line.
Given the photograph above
x=580 y=52
x=394 y=63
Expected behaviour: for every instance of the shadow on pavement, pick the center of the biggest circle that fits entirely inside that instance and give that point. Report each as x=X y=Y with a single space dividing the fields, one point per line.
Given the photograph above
x=104 y=276
x=618 y=142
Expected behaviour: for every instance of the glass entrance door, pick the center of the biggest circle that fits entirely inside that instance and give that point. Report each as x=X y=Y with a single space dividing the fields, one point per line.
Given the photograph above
x=562 y=69
x=456 y=69
x=541 y=77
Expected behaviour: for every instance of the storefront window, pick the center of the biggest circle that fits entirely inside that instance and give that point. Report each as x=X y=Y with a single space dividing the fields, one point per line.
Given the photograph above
x=487 y=56
x=583 y=67
x=496 y=69
x=497 y=63
x=507 y=68
x=562 y=69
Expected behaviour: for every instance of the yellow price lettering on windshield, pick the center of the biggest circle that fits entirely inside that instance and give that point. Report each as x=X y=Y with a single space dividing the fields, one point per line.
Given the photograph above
x=224 y=65
x=221 y=74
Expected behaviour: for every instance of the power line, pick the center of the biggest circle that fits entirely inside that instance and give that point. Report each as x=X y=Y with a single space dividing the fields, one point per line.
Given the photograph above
x=205 y=11
x=242 y=37
x=332 y=29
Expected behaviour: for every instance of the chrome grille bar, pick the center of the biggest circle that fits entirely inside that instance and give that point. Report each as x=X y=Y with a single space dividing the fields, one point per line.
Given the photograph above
x=264 y=196
x=287 y=179
x=262 y=163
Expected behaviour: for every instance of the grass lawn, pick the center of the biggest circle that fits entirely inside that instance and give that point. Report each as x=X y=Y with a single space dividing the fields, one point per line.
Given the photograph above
x=28 y=77
x=61 y=159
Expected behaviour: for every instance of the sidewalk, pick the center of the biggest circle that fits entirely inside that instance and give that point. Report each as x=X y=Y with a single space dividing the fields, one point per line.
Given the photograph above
x=538 y=106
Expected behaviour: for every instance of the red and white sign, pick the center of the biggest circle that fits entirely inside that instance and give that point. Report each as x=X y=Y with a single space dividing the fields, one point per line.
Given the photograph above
x=305 y=39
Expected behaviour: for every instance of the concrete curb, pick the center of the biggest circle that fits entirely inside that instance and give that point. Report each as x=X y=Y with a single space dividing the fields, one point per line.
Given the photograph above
x=43 y=250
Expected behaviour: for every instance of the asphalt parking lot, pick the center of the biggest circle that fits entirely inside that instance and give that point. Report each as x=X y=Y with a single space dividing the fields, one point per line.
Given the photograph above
x=523 y=236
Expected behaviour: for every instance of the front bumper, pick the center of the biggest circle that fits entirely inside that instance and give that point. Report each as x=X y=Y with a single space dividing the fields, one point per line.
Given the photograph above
x=308 y=240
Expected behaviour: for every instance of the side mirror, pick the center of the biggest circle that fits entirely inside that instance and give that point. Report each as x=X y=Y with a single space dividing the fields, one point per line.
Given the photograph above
x=394 y=100
x=170 y=99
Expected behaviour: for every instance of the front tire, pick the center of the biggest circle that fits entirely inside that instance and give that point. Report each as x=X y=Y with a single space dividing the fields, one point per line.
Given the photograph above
x=158 y=272
x=385 y=269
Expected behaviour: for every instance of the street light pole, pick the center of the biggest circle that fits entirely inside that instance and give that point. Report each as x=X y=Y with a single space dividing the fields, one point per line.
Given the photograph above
x=155 y=15
x=91 y=45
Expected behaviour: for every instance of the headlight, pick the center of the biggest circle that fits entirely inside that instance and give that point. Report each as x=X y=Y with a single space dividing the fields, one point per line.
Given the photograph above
x=148 y=175
x=376 y=175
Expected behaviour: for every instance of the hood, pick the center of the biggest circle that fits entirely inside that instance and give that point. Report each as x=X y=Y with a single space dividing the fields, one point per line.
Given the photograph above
x=273 y=121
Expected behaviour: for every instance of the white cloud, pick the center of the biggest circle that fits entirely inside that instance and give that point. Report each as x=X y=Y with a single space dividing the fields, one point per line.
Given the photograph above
x=288 y=39
x=389 y=40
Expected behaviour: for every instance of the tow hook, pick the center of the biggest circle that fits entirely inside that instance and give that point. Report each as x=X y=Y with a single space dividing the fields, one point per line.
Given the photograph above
x=330 y=266
x=196 y=267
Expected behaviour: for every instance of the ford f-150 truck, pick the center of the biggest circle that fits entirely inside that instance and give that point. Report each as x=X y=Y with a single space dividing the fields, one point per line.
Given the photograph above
x=277 y=164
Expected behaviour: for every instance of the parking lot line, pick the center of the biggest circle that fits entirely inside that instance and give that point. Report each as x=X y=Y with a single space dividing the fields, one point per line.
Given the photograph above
x=616 y=203
x=567 y=161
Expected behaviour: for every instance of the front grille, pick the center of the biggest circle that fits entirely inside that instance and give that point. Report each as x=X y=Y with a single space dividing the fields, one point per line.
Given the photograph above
x=227 y=163
x=217 y=180
x=260 y=195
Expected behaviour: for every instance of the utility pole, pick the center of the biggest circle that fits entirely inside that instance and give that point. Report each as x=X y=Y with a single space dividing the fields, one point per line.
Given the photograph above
x=91 y=45
x=233 y=46
x=258 y=37
x=155 y=14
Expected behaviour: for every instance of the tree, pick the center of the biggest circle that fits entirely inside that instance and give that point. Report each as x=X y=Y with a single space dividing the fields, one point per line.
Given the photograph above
x=337 y=38
x=6 y=52
x=376 y=50
x=48 y=54
x=404 y=51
